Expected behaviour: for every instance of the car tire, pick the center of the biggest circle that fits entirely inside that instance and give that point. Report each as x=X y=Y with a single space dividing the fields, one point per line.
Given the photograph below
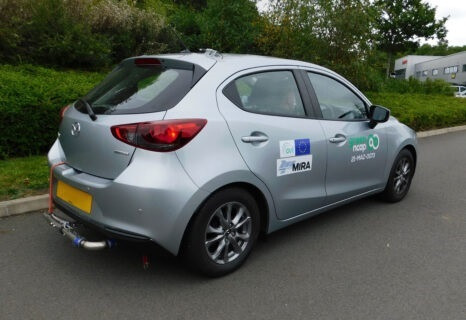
x=400 y=177
x=219 y=242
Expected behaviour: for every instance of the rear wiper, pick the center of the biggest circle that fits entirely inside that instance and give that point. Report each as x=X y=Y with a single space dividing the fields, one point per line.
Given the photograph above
x=90 y=112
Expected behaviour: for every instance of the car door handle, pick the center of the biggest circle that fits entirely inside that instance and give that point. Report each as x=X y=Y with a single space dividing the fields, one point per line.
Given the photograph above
x=337 y=139
x=252 y=139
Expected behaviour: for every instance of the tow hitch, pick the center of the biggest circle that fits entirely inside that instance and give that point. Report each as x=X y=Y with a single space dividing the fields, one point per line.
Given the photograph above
x=67 y=228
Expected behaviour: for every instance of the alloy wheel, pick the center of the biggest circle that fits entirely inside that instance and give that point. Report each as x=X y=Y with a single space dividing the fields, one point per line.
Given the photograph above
x=402 y=176
x=228 y=232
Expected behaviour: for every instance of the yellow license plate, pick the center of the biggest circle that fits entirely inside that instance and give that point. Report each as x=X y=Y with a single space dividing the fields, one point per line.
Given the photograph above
x=75 y=197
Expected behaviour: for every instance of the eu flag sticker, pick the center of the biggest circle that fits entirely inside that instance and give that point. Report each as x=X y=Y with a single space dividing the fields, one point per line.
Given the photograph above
x=302 y=147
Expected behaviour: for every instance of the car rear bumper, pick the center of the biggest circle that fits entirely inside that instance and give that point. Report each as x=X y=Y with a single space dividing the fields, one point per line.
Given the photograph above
x=152 y=199
x=108 y=231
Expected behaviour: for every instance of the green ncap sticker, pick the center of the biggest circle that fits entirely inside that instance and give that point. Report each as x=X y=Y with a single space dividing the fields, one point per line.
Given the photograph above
x=363 y=143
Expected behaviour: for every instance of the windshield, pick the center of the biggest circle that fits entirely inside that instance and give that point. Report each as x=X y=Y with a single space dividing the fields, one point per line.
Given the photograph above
x=132 y=88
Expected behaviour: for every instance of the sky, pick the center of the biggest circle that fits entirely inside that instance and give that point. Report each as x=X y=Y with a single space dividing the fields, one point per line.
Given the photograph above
x=456 y=24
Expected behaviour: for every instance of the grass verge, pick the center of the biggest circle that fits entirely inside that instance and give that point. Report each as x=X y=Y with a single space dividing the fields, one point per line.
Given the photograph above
x=22 y=177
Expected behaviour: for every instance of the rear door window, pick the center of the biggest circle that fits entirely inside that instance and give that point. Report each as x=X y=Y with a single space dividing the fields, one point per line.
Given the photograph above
x=271 y=92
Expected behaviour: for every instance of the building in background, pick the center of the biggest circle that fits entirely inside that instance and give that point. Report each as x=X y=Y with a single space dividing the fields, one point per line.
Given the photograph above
x=405 y=67
x=451 y=68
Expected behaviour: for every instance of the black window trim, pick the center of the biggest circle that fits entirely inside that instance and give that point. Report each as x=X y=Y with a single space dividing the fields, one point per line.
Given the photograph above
x=309 y=112
x=315 y=101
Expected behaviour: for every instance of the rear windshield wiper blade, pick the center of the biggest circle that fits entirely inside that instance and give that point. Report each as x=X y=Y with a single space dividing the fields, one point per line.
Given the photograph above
x=90 y=112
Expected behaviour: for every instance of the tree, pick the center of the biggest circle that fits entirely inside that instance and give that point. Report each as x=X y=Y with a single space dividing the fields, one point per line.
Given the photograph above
x=334 y=33
x=223 y=25
x=438 y=50
x=403 y=23
x=198 y=4
x=230 y=26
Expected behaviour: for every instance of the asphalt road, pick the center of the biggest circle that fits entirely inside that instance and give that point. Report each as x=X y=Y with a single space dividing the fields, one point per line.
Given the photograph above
x=366 y=260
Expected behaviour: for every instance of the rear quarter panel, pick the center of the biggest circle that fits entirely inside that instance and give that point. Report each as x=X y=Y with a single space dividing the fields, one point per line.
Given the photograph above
x=212 y=159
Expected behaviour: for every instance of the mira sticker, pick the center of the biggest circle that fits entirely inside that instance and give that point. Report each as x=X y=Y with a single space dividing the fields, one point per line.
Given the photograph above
x=297 y=147
x=294 y=165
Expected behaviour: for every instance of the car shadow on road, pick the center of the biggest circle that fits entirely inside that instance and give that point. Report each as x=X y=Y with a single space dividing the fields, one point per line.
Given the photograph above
x=127 y=257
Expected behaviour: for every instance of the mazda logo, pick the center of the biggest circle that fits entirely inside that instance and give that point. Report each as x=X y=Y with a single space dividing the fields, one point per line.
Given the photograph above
x=75 y=129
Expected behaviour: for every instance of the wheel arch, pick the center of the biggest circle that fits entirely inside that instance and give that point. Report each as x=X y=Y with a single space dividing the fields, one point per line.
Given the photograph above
x=411 y=149
x=254 y=191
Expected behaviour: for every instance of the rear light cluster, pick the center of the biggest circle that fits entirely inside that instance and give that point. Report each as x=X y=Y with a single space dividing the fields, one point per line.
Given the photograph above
x=162 y=136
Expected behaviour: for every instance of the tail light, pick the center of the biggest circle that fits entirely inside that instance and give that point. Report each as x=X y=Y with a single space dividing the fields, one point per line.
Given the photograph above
x=162 y=136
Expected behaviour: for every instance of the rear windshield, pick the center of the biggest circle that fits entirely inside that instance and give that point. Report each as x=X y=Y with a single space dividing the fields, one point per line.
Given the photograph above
x=140 y=88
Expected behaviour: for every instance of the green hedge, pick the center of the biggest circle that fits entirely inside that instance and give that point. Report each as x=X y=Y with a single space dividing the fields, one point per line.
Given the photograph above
x=423 y=112
x=79 y=33
x=412 y=85
x=30 y=101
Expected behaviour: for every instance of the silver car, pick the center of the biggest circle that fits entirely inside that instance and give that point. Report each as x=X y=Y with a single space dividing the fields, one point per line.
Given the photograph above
x=200 y=153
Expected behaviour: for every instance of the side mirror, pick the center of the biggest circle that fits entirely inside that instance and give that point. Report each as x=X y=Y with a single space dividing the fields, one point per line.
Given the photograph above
x=378 y=114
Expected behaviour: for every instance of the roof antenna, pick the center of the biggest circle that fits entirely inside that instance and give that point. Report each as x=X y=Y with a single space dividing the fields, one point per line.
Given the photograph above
x=186 y=49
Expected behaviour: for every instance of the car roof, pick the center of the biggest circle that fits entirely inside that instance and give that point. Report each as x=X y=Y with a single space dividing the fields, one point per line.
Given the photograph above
x=236 y=61
x=231 y=63
x=227 y=64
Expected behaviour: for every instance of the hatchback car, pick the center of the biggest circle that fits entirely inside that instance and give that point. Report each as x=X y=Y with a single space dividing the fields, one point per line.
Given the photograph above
x=200 y=153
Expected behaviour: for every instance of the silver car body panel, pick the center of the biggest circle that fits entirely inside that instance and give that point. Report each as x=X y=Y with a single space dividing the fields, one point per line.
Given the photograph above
x=93 y=149
x=155 y=195
x=155 y=203
x=294 y=193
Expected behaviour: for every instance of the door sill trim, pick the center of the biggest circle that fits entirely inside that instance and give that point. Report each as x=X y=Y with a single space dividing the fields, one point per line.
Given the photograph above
x=334 y=204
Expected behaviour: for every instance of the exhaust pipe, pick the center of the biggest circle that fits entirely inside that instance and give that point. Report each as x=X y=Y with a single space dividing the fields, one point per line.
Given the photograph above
x=66 y=228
